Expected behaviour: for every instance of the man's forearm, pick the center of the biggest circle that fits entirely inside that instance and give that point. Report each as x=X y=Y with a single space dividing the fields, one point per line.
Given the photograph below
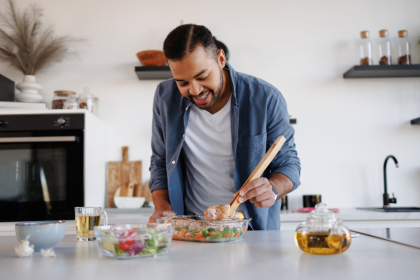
x=161 y=200
x=282 y=184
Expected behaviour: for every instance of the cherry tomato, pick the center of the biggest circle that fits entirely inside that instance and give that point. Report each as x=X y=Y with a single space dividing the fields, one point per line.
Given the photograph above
x=125 y=245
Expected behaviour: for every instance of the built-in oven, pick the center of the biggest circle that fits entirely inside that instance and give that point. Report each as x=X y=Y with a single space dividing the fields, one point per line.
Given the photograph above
x=42 y=166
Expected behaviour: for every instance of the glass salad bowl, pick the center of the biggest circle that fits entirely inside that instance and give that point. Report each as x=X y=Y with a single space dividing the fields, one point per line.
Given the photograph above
x=126 y=241
x=197 y=228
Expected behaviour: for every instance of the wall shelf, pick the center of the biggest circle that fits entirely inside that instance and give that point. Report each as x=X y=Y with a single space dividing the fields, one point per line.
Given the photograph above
x=415 y=121
x=383 y=71
x=153 y=72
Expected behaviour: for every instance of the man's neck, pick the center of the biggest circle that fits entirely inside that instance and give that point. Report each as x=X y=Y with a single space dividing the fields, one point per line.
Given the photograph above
x=224 y=94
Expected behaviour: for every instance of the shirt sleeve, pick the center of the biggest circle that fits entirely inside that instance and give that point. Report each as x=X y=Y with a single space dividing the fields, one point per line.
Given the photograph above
x=286 y=161
x=158 y=174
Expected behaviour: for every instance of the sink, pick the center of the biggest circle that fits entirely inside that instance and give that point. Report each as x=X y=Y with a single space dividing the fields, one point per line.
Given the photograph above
x=391 y=209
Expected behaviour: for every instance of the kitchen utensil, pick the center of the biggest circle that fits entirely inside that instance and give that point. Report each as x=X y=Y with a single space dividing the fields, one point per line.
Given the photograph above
x=86 y=219
x=43 y=235
x=121 y=174
x=322 y=233
x=310 y=200
x=259 y=170
x=199 y=229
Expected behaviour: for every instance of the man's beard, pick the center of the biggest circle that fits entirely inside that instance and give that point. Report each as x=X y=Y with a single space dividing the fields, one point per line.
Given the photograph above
x=215 y=95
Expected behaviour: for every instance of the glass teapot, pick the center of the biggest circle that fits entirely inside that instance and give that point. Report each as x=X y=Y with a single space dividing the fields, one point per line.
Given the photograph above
x=322 y=233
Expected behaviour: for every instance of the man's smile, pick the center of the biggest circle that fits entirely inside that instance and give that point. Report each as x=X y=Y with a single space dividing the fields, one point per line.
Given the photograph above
x=202 y=98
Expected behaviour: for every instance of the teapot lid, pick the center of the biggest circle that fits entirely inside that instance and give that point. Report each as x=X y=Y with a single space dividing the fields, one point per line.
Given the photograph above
x=321 y=212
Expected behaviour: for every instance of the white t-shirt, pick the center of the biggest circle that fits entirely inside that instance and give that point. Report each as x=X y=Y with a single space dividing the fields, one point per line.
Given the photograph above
x=209 y=159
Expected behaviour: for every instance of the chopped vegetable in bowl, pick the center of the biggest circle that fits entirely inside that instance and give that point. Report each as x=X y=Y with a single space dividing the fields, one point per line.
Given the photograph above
x=197 y=228
x=134 y=240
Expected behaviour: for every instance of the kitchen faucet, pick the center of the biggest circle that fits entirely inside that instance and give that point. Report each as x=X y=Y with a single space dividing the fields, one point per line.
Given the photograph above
x=386 y=198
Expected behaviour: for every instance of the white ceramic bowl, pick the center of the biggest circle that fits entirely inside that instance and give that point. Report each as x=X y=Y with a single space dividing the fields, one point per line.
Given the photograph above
x=44 y=235
x=125 y=202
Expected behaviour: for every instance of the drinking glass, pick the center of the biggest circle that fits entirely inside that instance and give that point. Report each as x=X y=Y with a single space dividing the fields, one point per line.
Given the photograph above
x=86 y=219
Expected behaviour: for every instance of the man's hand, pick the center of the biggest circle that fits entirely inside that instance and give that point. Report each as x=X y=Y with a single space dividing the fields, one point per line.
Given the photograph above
x=260 y=192
x=163 y=207
x=157 y=214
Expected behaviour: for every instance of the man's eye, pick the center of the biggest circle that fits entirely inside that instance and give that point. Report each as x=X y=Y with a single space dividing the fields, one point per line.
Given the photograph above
x=184 y=84
x=202 y=79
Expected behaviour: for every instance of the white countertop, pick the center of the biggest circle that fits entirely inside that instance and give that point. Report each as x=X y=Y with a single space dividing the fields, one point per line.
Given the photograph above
x=260 y=255
x=352 y=217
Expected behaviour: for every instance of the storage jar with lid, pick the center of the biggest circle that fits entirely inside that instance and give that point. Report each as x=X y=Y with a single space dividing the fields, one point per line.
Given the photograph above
x=384 y=48
x=322 y=233
x=86 y=100
x=60 y=96
x=71 y=102
x=404 y=48
x=365 y=49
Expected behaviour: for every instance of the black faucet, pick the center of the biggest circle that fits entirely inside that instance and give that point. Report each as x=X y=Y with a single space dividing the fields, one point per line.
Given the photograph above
x=386 y=198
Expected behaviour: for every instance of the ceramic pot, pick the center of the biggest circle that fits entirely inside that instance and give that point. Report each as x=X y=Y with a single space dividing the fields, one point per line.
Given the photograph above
x=152 y=58
x=28 y=90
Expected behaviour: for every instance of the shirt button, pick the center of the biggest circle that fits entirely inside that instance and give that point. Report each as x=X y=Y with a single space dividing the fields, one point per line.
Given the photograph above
x=173 y=162
x=183 y=135
x=186 y=109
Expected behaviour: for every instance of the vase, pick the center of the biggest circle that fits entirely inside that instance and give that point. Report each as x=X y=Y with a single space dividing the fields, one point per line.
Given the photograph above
x=28 y=90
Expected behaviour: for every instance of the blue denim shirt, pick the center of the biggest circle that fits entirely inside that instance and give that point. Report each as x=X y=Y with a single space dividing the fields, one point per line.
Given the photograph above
x=258 y=117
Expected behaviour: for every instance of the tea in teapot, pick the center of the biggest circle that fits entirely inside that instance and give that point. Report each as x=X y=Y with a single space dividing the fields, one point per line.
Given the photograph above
x=322 y=233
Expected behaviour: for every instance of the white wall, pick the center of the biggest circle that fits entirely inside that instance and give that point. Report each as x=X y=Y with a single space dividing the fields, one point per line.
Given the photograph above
x=345 y=128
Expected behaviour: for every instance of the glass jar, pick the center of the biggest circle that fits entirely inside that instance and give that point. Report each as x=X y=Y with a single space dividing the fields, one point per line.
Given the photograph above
x=384 y=48
x=71 y=102
x=365 y=49
x=86 y=100
x=404 y=49
x=60 y=96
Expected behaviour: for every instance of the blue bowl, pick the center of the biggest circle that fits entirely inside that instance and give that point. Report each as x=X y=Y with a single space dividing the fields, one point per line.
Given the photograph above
x=44 y=235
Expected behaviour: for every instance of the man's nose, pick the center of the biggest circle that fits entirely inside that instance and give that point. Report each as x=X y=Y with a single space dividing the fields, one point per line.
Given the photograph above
x=195 y=89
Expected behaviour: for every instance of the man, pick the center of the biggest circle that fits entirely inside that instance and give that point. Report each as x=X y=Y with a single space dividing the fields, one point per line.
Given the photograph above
x=211 y=127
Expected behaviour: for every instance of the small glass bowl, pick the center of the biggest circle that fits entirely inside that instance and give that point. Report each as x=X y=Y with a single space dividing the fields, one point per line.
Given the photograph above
x=196 y=228
x=127 y=241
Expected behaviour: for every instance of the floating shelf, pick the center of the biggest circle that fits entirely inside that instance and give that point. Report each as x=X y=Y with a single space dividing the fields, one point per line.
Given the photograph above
x=153 y=72
x=383 y=71
x=415 y=121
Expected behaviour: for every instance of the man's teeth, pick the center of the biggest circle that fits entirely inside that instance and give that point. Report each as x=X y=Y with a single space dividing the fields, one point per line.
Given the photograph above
x=202 y=97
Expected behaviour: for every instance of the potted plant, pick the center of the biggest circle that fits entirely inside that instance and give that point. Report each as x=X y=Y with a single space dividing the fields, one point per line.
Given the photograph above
x=28 y=47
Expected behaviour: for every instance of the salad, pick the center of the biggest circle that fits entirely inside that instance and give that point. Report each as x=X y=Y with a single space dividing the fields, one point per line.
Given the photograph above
x=134 y=240
x=197 y=228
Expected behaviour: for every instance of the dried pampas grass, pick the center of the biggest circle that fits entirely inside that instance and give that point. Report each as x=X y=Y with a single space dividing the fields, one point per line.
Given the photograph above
x=24 y=44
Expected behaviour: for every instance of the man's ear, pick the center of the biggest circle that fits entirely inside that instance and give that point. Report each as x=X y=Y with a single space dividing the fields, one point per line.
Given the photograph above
x=221 y=58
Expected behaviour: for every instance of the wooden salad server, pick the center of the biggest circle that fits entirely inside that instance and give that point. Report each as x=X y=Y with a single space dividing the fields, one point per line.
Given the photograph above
x=258 y=171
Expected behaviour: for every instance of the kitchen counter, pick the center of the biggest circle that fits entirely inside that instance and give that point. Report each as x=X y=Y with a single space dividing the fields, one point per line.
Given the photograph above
x=260 y=255
x=289 y=221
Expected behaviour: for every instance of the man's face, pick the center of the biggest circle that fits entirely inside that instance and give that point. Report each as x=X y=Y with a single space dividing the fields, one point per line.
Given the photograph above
x=199 y=77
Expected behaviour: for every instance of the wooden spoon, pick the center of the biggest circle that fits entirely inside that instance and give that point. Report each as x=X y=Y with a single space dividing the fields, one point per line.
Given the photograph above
x=258 y=171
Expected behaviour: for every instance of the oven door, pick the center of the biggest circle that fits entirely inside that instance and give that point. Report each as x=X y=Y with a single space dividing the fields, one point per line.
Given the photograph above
x=41 y=175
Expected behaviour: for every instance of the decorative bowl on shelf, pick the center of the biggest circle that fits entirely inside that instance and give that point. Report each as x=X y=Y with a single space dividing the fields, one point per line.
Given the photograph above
x=152 y=58
x=126 y=202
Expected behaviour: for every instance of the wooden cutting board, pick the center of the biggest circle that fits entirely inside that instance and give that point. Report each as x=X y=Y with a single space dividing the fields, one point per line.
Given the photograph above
x=123 y=174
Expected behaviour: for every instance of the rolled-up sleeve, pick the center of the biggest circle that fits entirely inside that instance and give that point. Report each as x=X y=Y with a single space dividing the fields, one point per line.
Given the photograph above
x=287 y=161
x=158 y=175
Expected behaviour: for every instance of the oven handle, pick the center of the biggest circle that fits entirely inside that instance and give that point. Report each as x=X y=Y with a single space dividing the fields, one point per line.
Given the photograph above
x=38 y=139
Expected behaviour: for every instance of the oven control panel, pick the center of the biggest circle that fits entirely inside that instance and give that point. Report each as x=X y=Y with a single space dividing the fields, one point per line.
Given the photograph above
x=41 y=122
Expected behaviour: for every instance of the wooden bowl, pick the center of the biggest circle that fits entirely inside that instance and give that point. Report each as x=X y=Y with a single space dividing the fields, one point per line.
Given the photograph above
x=152 y=58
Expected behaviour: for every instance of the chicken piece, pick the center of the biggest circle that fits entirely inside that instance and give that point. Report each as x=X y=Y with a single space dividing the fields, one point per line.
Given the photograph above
x=218 y=212
x=196 y=225
x=183 y=223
